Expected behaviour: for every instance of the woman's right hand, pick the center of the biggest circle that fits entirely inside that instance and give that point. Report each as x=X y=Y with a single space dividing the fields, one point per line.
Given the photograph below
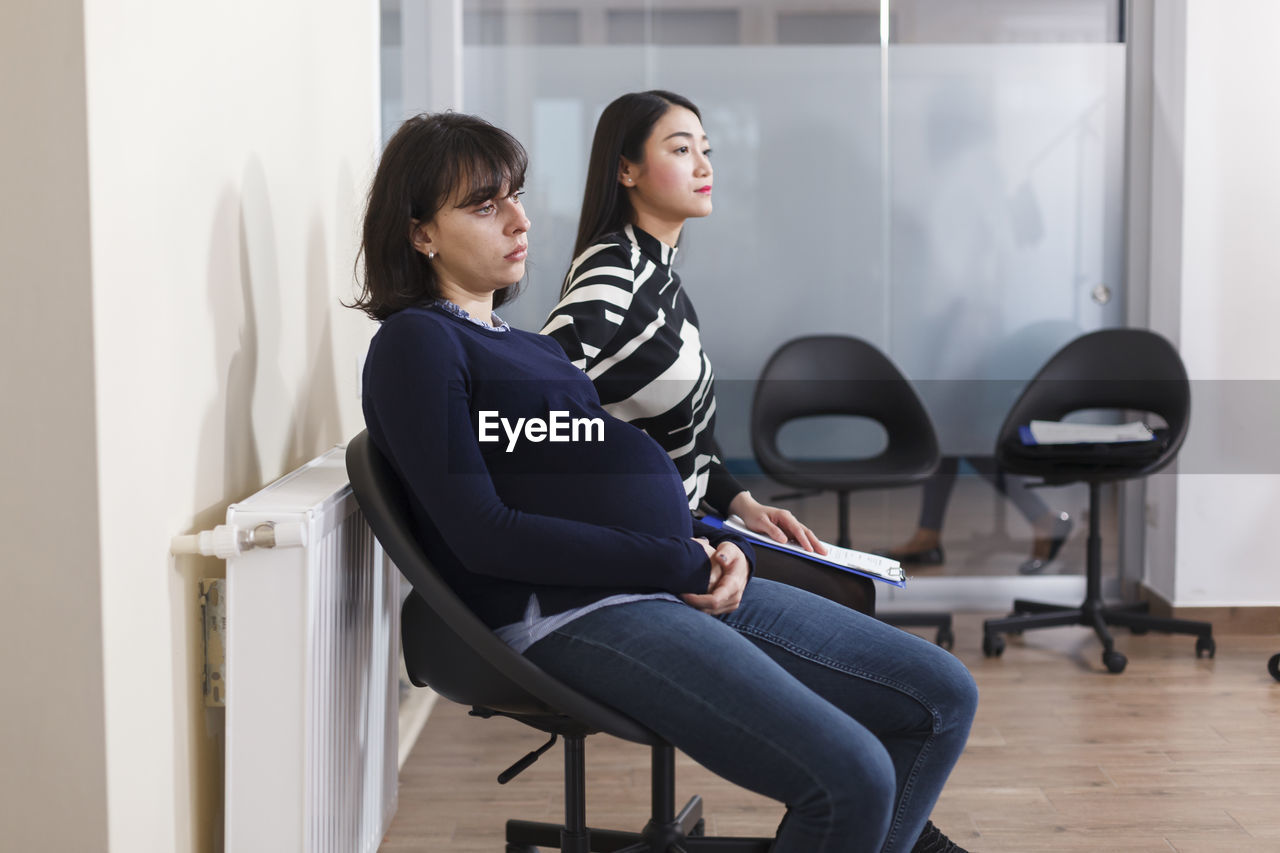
x=730 y=571
x=716 y=567
x=776 y=523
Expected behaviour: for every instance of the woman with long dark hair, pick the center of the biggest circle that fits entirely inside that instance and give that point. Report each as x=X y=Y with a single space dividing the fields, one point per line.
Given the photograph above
x=624 y=317
x=626 y=320
x=582 y=554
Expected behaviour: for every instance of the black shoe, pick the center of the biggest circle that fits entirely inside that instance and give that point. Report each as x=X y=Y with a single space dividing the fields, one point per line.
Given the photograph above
x=1061 y=530
x=924 y=557
x=933 y=841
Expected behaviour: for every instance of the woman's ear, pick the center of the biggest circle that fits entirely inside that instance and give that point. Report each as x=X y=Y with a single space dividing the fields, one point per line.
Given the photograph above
x=420 y=237
x=626 y=172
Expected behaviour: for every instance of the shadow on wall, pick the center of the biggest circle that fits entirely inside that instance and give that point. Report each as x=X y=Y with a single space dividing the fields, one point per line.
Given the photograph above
x=256 y=408
x=316 y=424
x=317 y=416
x=244 y=318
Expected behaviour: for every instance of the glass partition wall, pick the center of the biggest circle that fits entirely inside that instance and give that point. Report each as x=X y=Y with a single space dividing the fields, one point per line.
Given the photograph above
x=942 y=178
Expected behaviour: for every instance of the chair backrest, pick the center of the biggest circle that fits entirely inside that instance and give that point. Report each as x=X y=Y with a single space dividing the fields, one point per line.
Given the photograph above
x=842 y=375
x=445 y=645
x=1128 y=369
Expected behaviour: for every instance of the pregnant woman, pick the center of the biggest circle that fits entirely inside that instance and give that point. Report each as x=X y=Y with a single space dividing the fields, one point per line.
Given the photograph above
x=582 y=554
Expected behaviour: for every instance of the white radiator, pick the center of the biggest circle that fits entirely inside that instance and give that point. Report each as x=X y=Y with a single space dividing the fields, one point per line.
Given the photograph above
x=312 y=665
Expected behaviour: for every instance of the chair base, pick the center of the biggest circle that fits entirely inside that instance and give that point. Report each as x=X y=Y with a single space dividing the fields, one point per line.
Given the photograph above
x=682 y=834
x=666 y=832
x=1092 y=613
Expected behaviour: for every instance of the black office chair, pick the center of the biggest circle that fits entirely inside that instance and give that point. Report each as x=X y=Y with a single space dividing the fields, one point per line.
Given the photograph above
x=841 y=375
x=1126 y=369
x=448 y=648
x=1273 y=666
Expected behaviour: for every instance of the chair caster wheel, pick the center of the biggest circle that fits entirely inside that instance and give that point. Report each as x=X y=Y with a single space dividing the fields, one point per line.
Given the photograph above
x=1138 y=631
x=1206 y=645
x=946 y=638
x=992 y=645
x=699 y=828
x=1273 y=667
x=1114 y=662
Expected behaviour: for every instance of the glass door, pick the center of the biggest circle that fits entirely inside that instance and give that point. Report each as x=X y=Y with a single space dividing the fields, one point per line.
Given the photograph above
x=943 y=178
x=1005 y=160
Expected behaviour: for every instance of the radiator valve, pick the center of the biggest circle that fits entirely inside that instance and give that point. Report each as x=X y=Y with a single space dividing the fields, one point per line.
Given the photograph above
x=226 y=541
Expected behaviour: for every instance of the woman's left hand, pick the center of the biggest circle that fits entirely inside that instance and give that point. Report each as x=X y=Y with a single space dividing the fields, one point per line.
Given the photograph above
x=776 y=523
x=725 y=593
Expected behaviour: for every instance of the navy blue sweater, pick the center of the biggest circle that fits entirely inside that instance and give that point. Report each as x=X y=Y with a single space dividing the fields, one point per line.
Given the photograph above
x=573 y=521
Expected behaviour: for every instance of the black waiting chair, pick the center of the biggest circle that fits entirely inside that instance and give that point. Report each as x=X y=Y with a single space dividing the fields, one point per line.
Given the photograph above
x=1123 y=369
x=449 y=649
x=822 y=375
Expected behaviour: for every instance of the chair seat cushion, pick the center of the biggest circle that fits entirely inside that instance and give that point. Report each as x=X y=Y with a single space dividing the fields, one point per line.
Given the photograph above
x=1084 y=461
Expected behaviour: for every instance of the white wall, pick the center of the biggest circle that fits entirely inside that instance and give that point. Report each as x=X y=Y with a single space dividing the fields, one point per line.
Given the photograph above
x=1226 y=266
x=230 y=147
x=194 y=270
x=52 y=747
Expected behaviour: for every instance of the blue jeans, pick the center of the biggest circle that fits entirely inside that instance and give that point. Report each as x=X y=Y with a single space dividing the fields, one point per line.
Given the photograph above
x=853 y=724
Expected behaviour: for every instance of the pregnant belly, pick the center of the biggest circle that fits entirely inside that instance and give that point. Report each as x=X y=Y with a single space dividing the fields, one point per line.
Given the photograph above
x=626 y=480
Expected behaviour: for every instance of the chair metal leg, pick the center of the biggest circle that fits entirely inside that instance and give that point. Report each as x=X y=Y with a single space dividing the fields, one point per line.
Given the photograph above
x=1021 y=605
x=533 y=833
x=1029 y=621
x=842 y=520
x=1096 y=621
x=575 y=837
x=1092 y=612
x=690 y=816
x=1111 y=659
x=662 y=782
x=1127 y=619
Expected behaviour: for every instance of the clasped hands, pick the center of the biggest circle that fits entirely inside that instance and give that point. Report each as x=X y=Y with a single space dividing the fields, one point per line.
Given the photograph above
x=729 y=573
x=729 y=567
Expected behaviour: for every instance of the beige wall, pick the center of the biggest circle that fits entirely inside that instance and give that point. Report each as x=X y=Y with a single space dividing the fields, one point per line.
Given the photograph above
x=52 y=747
x=199 y=169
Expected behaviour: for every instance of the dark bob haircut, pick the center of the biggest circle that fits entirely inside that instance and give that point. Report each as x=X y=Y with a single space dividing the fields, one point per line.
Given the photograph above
x=623 y=128
x=431 y=159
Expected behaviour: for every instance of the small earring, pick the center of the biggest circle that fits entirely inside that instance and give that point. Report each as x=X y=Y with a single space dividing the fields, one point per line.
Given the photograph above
x=431 y=254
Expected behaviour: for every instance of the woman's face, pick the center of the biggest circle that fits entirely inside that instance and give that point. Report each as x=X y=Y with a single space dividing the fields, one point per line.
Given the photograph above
x=674 y=181
x=479 y=248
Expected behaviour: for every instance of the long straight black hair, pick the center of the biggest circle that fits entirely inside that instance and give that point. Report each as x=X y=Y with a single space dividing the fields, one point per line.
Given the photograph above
x=622 y=131
x=430 y=158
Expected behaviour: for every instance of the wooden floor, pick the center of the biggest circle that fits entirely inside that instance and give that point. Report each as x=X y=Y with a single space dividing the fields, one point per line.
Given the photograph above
x=1175 y=754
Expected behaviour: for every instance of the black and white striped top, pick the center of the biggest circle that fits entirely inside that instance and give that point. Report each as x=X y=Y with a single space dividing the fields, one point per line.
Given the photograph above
x=625 y=320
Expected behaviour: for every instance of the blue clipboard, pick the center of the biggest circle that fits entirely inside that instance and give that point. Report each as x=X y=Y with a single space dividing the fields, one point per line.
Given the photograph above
x=756 y=539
